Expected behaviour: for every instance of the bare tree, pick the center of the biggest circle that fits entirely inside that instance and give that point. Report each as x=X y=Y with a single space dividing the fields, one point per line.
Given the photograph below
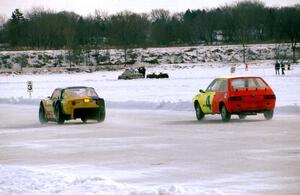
x=289 y=20
x=128 y=30
x=247 y=15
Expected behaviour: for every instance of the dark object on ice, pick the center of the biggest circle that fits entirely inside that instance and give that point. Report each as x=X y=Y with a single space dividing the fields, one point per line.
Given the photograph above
x=131 y=73
x=142 y=70
x=160 y=75
x=277 y=67
x=282 y=68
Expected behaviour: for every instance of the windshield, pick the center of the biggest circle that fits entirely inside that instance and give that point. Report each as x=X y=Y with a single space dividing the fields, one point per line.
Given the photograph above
x=80 y=92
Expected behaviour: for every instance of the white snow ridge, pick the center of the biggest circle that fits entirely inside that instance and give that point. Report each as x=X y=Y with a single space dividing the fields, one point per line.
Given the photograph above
x=28 y=181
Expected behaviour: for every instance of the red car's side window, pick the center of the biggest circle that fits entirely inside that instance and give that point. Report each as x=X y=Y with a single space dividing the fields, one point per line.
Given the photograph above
x=218 y=85
x=261 y=84
x=224 y=86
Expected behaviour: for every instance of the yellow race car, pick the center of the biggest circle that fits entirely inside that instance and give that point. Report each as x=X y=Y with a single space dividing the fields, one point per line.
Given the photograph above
x=72 y=103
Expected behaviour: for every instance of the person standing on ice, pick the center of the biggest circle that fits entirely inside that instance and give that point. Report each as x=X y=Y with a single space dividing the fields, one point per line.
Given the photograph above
x=232 y=69
x=282 y=68
x=277 y=67
x=246 y=67
x=289 y=66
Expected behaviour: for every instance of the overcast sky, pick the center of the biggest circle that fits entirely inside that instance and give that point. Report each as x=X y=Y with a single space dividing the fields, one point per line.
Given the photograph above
x=85 y=7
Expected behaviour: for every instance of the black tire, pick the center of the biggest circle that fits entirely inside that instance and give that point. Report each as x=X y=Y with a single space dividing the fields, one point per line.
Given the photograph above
x=225 y=114
x=101 y=116
x=199 y=113
x=242 y=116
x=102 y=113
x=59 y=115
x=268 y=114
x=83 y=119
x=42 y=115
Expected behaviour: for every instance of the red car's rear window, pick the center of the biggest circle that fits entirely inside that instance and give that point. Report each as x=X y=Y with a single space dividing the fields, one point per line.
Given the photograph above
x=251 y=83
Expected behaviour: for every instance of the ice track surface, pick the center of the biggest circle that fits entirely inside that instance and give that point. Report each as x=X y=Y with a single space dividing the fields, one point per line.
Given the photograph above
x=147 y=152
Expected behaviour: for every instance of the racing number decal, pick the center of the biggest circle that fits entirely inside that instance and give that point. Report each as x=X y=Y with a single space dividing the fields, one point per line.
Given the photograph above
x=206 y=101
x=208 y=104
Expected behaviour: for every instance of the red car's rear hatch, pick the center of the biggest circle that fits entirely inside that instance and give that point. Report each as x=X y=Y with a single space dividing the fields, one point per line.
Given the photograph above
x=253 y=94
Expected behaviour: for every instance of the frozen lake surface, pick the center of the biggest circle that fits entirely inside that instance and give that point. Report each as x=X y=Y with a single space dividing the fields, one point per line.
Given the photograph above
x=148 y=152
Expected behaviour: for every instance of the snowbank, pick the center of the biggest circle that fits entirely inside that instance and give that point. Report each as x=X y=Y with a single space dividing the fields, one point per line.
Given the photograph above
x=176 y=106
x=172 y=55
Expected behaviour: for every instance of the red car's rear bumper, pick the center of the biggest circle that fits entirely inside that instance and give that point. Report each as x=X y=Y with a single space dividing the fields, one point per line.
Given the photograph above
x=240 y=106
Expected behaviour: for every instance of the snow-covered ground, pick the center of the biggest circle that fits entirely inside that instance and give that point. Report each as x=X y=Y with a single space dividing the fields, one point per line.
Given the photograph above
x=174 y=93
x=148 y=152
x=49 y=180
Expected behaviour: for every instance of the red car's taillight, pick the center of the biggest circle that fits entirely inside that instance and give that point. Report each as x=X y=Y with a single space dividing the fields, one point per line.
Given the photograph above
x=269 y=97
x=235 y=98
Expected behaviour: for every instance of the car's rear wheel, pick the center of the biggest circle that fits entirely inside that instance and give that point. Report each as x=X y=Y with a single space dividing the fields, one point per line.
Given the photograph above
x=59 y=115
x=101 y=113
x=225 y=114
x=101 y=116
x=42 y=115
x=242 y=116
x=268 y=114
x=199 y=113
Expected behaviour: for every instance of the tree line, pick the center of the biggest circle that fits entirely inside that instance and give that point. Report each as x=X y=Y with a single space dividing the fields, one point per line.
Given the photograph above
x=240 y=23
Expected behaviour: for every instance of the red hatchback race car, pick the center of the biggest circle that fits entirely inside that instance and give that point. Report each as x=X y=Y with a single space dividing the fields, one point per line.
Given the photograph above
x=235 y=95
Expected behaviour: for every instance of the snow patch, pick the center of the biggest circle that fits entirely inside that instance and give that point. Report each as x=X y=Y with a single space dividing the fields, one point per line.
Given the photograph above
x=31 y=181
x=143 y=105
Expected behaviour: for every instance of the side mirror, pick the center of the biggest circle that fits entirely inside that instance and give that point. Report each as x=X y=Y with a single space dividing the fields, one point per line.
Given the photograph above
x=201 y=91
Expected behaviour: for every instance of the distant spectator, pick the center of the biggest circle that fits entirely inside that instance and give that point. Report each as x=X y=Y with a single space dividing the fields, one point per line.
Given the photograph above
x=232 y=69
x=289 y=66
x=246 y=67
x=282 y=68
x=277 y=67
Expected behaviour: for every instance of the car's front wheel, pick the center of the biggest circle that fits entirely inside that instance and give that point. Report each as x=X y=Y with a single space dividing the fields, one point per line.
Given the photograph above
x=268 y=114
x=42 y=115
x=199 y=113
x=59 y=115
x=225 y=114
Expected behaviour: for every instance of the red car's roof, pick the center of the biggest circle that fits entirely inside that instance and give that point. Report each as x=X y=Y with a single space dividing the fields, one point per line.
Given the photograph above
x=237 y=77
